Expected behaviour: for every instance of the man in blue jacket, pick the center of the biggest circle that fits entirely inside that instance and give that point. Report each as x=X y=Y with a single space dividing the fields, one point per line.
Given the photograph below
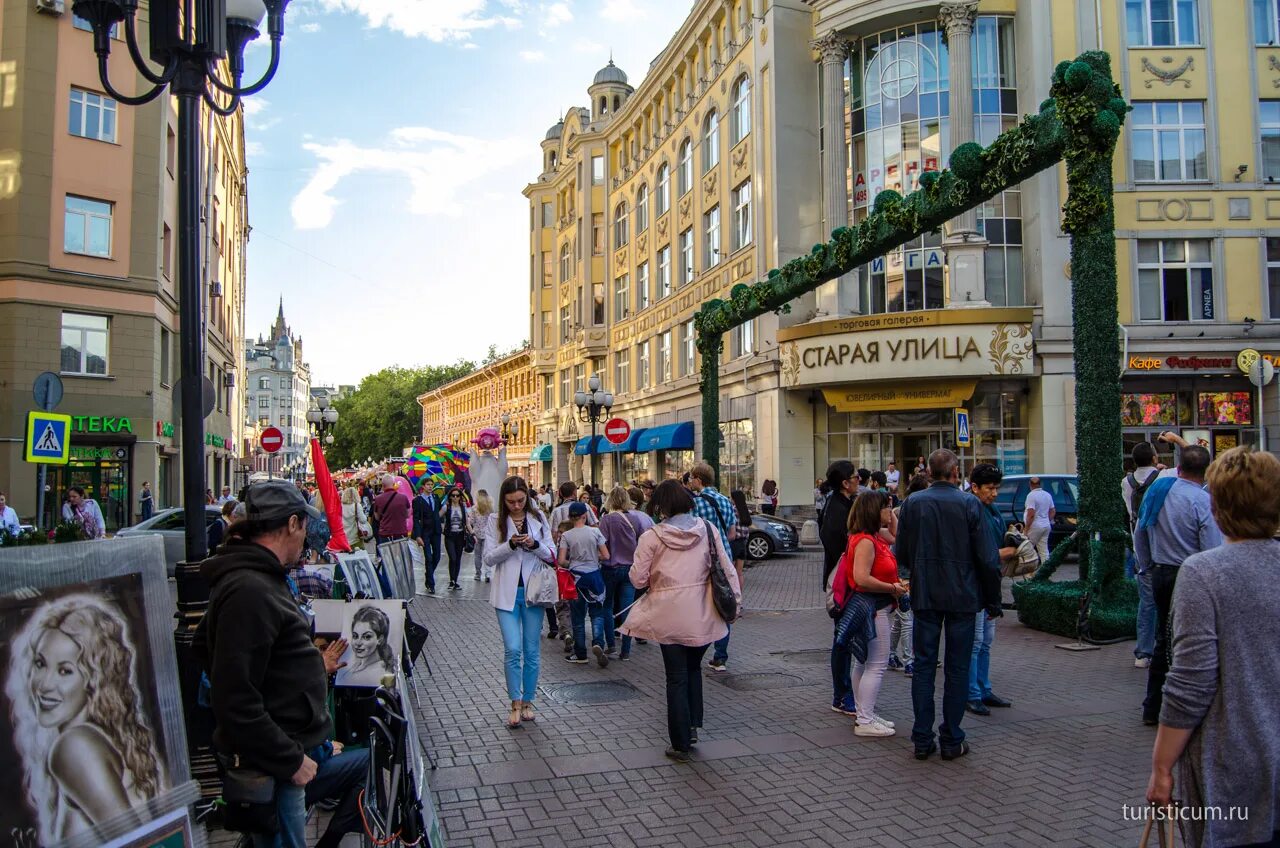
x=945 y=550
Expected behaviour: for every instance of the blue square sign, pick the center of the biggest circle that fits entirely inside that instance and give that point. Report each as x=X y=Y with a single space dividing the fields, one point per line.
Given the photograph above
x=963 y=437
x=48 y=438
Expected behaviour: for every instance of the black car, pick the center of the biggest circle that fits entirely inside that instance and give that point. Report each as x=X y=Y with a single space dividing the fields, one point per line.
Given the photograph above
x=770 y=535
x=1065 y=489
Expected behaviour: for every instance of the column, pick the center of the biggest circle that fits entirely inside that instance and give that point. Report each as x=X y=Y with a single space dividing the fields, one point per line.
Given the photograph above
x=963 y=244
x=839 y=296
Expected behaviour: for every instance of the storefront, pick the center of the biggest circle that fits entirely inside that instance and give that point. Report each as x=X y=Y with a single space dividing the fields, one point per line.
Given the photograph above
x=101 y=463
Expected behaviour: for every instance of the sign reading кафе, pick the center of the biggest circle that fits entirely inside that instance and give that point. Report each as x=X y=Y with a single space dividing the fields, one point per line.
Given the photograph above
x=908 y=345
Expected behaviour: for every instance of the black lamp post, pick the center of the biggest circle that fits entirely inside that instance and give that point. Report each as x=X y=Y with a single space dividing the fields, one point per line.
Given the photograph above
x=509 y=430
x=189 y=39
x=592 y=406
x=323 y=418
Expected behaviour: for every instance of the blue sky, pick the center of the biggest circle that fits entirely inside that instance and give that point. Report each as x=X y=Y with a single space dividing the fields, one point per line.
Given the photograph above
x=387 y=157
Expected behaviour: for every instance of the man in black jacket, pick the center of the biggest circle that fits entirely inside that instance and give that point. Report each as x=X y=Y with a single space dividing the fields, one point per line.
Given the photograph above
x=946 y=552
x=426 y=529
x=834 y=532
x=268 y=681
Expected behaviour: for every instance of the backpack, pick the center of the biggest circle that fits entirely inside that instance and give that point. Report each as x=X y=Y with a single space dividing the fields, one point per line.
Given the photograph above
x=838 y=587
x=1139 y=492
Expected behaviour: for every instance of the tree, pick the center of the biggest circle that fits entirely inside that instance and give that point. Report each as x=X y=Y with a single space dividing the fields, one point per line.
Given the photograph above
x=382 y=417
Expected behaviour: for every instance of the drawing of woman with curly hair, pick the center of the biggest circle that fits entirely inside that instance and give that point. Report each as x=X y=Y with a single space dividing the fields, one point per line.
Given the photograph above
x=87 y=750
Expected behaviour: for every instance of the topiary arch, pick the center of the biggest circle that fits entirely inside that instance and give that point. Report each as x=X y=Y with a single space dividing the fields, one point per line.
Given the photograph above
x=1078 y=124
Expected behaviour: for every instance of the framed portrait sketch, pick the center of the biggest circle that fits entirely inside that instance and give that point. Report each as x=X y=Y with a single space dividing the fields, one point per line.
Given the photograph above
x=362 y=578
x=398 y=562
x=374 y=630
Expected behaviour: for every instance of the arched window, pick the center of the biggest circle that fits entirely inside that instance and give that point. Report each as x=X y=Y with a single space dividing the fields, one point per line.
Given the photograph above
x=684 y=180
x=710 y=142
x=642 y=209
x=741 y=123
x=566 y=263
x=604 y=105
x=551 y=161
x=620 y=225
x=663 y=200
x=617 y=101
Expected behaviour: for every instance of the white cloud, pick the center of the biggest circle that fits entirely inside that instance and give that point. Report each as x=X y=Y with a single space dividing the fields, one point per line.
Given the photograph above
x=310 y=27
x=255 y=106
x=437 y=166
x=533 y=55
x=436 y=20
x=586 y=45
x=553 y=15
x=253 y=148
x=621 y=11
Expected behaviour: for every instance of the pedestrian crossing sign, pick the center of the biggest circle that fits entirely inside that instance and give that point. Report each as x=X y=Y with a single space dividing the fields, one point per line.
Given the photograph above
x=48 y=438
x=962 y=429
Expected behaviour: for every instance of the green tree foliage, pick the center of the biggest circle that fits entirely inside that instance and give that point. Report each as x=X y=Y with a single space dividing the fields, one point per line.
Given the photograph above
x=382 y=417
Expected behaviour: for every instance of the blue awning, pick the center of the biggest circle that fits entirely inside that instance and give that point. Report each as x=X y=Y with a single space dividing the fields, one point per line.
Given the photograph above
x=628 y=446
x=668 y=437
x=542 y=453
x=587 y=445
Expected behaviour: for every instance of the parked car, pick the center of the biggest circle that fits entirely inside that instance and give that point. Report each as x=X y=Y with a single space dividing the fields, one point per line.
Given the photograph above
x=170 y=525
x=770 y=535
x=1065 y=489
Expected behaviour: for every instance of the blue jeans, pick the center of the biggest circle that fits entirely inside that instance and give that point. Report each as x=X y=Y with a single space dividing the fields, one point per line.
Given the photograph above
x=720 y=651
x=340 y=777
x=522 y=647
x=1146 y=646
x=926 y=637
x=841 y=672
x=619 y=594
x=984 y=633
x=579 y=609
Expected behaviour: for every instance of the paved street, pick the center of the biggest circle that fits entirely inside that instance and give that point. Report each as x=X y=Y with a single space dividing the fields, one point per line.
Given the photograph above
x=775 y=766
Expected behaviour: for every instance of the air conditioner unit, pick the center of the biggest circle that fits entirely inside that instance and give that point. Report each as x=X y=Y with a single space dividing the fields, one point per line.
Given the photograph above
x=229 y=380
x=215 y=289
x=50 y=7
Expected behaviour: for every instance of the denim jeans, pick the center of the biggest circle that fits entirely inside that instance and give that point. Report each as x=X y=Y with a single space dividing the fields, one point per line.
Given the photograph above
x=984 y=633
x=721 y=652
x=1163 y=579
x=340 y=777
x=927 y=635
x=683 y=665
x=522 y=646
x=1146 y=617
x=841 y=672
x=900 y=635
x=580 y=609
x=619 y=594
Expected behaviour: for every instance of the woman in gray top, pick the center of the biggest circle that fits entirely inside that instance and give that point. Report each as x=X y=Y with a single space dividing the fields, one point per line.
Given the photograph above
x=1219 y=720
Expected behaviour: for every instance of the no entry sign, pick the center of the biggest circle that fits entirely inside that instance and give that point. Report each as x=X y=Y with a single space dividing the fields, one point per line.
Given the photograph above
x=616 y=430
x=271 y=439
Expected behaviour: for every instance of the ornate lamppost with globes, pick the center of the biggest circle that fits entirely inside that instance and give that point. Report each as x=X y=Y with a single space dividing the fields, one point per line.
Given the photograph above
x=509 y=431
x=593 y=405
x=322 y=417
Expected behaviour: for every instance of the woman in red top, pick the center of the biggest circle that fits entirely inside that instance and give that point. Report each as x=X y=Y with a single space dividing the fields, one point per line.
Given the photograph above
x=875 y=571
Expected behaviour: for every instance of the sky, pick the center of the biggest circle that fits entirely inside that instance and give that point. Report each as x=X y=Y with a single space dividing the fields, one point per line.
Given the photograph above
x=386 y=161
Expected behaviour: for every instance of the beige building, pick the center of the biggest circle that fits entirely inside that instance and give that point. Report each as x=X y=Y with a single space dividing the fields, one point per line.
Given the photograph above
x=88 y=256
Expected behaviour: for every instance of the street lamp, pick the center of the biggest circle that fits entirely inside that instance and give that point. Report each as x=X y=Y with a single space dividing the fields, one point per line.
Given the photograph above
x=509 y=431
x=592 y=406
x=189 y=39
x=322 y=417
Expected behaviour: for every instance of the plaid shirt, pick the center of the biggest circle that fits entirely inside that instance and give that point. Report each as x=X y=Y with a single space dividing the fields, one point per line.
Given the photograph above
x=717 y=509
x=311 y=583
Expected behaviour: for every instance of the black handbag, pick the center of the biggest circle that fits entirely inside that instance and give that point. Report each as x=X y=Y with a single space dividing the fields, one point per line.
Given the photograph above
x=249 y=798
x=722 y=596
x=469 y=543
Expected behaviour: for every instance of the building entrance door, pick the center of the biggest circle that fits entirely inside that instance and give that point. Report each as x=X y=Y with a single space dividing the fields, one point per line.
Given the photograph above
x=103 y=473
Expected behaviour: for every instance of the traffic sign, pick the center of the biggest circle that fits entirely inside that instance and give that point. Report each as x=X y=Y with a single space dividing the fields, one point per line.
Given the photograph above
x=271 y=439
x=617 y=431
x=1261 y=372
x=962 y=429
x=47 y=390
x=48 y=438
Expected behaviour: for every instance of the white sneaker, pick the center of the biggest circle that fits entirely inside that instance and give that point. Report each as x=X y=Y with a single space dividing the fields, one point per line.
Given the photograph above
x=1142 y=662
x=875 y=728
x=884 y=721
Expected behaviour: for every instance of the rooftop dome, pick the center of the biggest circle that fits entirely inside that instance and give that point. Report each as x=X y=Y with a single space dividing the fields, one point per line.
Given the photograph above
x=556 y=129
x=610 y=73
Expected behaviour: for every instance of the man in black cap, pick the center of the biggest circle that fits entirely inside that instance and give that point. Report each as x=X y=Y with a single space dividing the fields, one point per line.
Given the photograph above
x=268 y=680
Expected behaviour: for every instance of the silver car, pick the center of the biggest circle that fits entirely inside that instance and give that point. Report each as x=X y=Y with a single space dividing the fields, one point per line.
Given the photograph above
x=170 y=525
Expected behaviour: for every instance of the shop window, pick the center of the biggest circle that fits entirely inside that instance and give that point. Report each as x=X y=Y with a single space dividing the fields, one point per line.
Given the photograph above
x=1161 y=23
x=85 y=341
x=1175 y=280
x=738 y=456
x=635 y=467
x=1152 y=409
x=1169 y=141
x=1219 y=408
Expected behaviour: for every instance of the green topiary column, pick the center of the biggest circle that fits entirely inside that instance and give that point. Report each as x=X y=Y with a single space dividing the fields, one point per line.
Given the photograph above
x=709 y=345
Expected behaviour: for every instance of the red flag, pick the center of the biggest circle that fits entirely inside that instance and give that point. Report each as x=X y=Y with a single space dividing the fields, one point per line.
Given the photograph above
x=329 y=495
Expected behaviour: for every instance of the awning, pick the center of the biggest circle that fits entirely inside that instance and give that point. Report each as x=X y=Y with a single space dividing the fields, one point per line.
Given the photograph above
x=587 y=445
x=541 y=453
x=628 y=446
x=668 y=437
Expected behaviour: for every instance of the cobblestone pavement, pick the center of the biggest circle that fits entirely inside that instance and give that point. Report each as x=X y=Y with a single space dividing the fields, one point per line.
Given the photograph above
x=775 y=766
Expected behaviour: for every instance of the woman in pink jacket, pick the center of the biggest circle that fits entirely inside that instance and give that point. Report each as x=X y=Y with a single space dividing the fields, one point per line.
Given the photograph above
x=674 y=562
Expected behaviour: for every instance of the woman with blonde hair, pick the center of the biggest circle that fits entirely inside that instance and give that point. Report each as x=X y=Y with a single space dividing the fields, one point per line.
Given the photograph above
x=87 y=751
x=1218 y=718
x=477 y=526
x=354 y=520
x=622 y=526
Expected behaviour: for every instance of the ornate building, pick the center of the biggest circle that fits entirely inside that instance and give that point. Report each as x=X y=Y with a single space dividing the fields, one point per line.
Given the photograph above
x=277 y=393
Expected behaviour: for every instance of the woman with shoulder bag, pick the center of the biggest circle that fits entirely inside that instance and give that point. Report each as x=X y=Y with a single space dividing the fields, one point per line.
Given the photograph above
x=354 y=521
x=453 y=518
x=518 y=543
x=674 y=562
x=622 y=527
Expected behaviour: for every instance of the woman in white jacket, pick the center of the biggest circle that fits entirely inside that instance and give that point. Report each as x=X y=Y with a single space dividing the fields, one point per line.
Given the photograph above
x=518 y=541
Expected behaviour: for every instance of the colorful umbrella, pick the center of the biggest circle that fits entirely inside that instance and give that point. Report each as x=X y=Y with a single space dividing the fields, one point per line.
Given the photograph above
x=436 y=465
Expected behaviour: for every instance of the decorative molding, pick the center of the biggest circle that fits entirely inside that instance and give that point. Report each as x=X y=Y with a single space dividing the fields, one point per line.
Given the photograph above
x=709 y=184
x=833 y=49
x=662 y=226
x=1273 y=63
x=685 y=203
x=739 y=155
x=642 y=242
x=1175 y=209
x=1168 y=77
x=957 y=16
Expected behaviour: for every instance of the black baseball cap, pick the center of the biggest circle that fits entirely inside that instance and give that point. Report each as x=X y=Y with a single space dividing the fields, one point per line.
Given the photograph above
x=274 y=499
x=577 y=508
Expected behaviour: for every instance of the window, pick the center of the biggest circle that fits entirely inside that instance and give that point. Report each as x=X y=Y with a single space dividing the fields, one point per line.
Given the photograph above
x=84 y=344
x=642 y=380
x=711 y=237
x=1266 y=21
x=1169 y=141
x=664 y=358
x=565 y=396
x=1273 y=277
x=663 y=200
x=686 y=257
x=284 y=403
x=684 y=180
x=547 y=272
x=264 y=382
x=664 y=272
x=642 y=286
x=87 y=226
x=621 y=291
x=548 y=214
x=740 y=121
x=1175 y=280
x=166 y=253
x=597 y=304
x=1269 y=114
x=264 y=401
x=92 y=116
x=710 y=142
x=744 y=337
x=688 y=348
x=80 y=23
x=742 y=215
x=580 y=377
x=548 y=393
x=166 y=351
x=1161 y=23
x=642 y=209
x=620 y=236
x=284 y=383
x=564 y=325
x=171 y=153
x=597 y=233
x=597 y=170
x=566 y=262
x=622 y=371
